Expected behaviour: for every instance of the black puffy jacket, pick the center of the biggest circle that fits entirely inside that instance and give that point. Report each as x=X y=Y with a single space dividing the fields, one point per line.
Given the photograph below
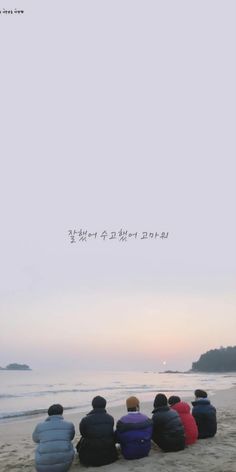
x=205 y=417
x=168 y=430
x=97 y=444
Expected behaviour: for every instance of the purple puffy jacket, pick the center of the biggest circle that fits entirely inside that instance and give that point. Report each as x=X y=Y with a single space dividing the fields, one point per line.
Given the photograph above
x=134 y=433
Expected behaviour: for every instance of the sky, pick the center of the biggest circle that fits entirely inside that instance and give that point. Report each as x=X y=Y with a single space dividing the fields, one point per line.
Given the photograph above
x=117 y=116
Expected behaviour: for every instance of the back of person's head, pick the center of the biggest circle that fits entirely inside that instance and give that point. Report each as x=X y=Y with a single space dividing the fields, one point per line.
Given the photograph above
x=132 y=404
x=200 y=393
x=55 y=410
x=99 y=402
x=160 y=400
x=174 y=399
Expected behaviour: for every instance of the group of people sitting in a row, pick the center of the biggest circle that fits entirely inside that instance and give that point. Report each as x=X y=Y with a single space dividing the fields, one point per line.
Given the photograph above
x=172 y=428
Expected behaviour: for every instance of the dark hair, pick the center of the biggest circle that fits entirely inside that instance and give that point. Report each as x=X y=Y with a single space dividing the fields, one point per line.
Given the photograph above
x=160 y=400
x=174 y=399
x=133 y=408
x=99 y=402
x=55 y=410
x=200 y=393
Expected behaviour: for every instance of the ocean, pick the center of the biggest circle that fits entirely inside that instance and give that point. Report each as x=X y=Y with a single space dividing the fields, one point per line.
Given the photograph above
x=28 y=393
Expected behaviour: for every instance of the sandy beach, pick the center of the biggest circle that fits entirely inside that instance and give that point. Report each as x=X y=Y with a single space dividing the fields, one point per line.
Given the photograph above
x=217 y=454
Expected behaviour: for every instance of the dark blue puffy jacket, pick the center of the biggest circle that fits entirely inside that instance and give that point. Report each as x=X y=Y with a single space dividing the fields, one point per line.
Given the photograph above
x=168 y=430
x=97 y=444
x=205 y=417
x=134 y=433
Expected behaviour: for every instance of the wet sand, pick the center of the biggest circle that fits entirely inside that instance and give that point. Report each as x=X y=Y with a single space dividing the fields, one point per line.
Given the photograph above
x=216 y=454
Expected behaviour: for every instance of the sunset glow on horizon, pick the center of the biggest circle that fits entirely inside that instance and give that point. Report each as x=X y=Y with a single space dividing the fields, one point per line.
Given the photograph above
x=133 y=132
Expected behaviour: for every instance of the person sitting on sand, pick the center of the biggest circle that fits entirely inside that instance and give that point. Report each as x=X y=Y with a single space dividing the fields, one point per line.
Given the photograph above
x=97 y=444
x=168 y=430
x=204 y=414
x=134 y=431
x=55 y=452
x=189 y=423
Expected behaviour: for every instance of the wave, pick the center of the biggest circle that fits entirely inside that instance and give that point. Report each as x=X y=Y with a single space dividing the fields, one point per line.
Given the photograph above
x=6 y=395
x=47 y=392
x=20 y=414
x=161 y=390
x=124 y=388
x=83 y=407
x=41 y=393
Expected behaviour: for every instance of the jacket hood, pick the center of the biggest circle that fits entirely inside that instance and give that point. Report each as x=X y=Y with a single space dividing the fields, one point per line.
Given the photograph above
x=97 y=410
x=181 y=407
x=161 y=408
x=54 y=418
x=203 y=401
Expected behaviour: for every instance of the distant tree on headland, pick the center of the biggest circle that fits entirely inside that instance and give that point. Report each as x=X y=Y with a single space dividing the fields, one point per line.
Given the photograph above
x=16 y=366
x=217 y=360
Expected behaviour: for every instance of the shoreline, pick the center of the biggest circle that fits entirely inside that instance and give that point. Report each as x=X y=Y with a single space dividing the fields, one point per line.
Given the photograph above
x=216 y=454
x=69 y=413
x=40 y=414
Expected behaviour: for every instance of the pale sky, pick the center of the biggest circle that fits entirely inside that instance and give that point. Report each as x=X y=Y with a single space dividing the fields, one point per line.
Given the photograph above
x=117 y=115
